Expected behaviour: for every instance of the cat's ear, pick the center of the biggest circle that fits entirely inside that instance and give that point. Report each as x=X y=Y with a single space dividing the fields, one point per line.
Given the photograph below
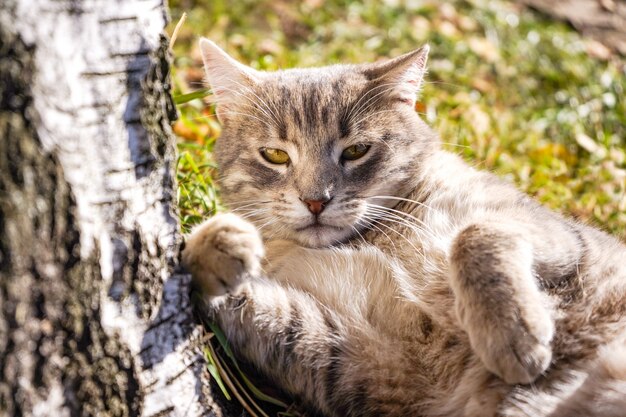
x=228 y=79
x=402 y=76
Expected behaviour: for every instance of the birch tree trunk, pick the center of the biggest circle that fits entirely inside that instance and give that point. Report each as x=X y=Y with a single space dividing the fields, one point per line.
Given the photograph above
x=94 y=319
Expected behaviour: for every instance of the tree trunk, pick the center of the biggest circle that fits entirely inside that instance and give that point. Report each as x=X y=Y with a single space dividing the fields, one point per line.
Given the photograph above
x=94 y=320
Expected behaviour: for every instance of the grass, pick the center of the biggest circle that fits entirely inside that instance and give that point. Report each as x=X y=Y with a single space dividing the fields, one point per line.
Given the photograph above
x=509 y=90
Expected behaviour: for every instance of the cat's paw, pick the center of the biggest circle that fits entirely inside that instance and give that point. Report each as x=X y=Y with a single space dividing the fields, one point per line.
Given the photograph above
x=518 y=350
x=222 y=252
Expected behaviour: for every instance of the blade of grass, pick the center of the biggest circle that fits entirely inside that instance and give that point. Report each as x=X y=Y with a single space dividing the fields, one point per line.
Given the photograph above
x=230 y=383
x=259 y=394
x=221 y=338
x=232 y=376
x=213 y=370
x=194 y=95
x=177 y=29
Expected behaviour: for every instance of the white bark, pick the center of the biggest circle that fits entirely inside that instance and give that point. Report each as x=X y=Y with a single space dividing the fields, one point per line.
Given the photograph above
x=101 y=109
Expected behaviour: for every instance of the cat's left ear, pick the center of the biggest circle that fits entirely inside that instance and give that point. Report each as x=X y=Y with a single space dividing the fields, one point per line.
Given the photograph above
x=406 y=72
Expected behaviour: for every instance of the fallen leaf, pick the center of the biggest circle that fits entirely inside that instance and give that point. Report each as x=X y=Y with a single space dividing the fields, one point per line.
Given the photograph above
x=597 y=50
x=479 y=120
x=447 y=29
x=482 y=85
x=484 y=48
x=589 y=144
x=269 y=46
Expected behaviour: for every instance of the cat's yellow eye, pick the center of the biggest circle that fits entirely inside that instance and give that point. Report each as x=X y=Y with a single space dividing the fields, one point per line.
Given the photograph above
x=354 y=152
x=275 y=156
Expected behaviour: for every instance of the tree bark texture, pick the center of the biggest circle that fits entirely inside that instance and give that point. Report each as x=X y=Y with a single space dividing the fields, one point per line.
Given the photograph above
x=94 y=318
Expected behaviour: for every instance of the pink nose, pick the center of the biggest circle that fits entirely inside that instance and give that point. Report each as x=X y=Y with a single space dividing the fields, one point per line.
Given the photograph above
x=316 y=206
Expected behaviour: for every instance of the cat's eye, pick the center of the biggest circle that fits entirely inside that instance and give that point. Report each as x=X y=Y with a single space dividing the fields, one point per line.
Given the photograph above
x=274 y=156
x=354 y=152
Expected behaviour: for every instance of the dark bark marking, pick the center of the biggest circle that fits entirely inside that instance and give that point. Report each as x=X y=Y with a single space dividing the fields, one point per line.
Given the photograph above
x=61 y=303
x=164 y=412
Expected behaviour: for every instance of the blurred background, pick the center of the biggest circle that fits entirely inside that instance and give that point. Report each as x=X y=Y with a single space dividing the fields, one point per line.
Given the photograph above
x=511 y=90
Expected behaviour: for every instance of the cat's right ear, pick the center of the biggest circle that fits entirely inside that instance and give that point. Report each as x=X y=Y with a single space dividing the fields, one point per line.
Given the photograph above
x=403 y=76
x=228 y=79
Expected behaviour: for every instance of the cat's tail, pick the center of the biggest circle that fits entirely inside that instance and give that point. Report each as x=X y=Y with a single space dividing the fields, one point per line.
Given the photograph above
x=602 y=391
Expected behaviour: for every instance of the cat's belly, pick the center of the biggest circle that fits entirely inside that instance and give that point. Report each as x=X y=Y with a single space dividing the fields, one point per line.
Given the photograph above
x=369 y=284
x=421 y=360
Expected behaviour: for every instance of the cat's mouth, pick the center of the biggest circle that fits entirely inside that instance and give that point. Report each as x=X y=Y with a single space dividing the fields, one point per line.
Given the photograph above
x=317 y=234
x=317 y=226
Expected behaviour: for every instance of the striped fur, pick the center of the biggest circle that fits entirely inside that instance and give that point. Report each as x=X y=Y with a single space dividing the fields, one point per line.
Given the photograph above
x=428 y=288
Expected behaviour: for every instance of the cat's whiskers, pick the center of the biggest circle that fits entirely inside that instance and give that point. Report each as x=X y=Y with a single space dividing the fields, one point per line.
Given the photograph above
x=257 y=210
x=356 y=107
x=357 y=231
x=250 y=203
x=265 y=107
x=425 y=260
x=280 y=228
x=269 y=222
x=369 y=102
x=254 y=105
x=364 y=111
x=391 y=197
x=269 y=126
x=276 y=111
x=398 y=212
x=377 y=221
x=371 y=224
x=249 y=200
x=377 y=113
x=258 y=217
x=393 y=218
x=251 y=212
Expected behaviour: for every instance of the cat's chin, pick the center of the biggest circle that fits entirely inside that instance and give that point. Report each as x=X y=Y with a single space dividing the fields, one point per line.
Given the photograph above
x=320 y=236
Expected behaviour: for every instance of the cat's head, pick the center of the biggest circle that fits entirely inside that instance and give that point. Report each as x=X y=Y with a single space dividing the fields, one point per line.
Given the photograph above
x=314 y=154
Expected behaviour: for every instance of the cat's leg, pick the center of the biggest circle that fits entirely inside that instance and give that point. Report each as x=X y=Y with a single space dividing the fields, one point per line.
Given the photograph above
x=283 y=331
x=498 y=301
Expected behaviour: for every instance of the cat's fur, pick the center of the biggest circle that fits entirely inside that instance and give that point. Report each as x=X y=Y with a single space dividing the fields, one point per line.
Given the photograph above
x=432 y=290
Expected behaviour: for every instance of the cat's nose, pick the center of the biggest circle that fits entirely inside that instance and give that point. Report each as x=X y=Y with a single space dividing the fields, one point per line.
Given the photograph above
x=316 y=206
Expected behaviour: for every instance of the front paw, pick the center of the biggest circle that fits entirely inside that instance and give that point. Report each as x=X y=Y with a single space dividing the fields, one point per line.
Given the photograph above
x=222 y=252
x=517 y=346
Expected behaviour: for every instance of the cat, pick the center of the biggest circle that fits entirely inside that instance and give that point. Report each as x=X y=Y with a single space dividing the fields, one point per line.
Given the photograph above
x=371 y=273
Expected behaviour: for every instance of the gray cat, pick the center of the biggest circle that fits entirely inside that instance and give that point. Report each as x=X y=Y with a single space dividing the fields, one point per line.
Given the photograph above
x=371 y=273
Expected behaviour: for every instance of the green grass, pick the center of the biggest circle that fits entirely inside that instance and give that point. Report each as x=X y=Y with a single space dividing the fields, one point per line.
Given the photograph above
x=509 y=90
